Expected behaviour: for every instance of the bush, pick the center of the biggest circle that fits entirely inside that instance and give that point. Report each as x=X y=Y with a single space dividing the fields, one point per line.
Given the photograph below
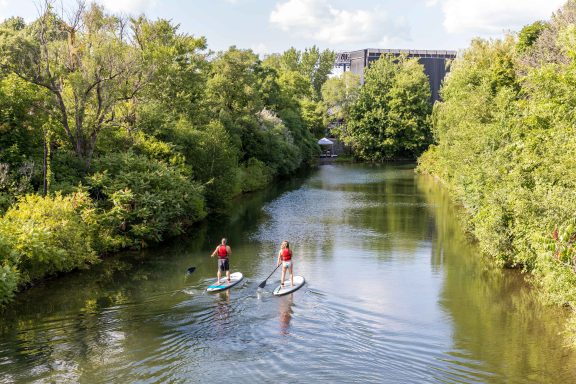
x=143 y=199
x=254 y=175
x=46 y=235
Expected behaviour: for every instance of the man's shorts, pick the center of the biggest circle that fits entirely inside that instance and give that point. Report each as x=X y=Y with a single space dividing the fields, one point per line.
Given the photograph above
x=223 y=265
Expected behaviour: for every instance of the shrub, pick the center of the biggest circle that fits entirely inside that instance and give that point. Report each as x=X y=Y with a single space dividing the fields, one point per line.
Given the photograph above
x=143 y=199
x=254 y=175
x=46 y=235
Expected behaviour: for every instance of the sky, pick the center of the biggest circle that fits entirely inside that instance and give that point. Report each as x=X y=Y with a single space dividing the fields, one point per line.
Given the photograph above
x=269 y=26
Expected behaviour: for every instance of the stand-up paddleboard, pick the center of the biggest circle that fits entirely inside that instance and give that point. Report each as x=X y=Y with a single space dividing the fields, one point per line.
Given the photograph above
x=235 y=278
x=286 y=289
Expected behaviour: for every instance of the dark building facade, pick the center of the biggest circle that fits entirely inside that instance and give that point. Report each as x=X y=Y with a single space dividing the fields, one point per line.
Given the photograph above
x=435 y=63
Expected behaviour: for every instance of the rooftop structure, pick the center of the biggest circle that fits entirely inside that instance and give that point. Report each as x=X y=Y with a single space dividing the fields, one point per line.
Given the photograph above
x=435 y=62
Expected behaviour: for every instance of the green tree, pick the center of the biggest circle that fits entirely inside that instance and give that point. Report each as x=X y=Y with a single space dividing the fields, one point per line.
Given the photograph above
x=339 y=94
x=313 y=64
x=90 y=65
x=24 y=109
x=232 y=93
x=260 y=107
x=181 y=67
x=529 y=34
x=390 y=118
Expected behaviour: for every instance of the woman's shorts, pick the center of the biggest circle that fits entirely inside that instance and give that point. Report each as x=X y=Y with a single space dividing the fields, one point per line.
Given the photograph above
x=287 y=264
x=223 y=265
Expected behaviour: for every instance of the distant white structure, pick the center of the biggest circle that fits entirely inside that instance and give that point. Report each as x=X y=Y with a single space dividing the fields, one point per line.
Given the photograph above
x=327 y=152
x=325 y=141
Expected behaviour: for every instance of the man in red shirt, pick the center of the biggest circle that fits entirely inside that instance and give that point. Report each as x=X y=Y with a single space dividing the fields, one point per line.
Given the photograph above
x=223 y=251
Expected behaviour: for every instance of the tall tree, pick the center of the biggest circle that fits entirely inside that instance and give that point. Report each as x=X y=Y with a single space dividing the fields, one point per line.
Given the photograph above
x=390 y=119
x=180 y=65
x=339 y=93
x=90 y=64
x=311 y=63
x=232 y=91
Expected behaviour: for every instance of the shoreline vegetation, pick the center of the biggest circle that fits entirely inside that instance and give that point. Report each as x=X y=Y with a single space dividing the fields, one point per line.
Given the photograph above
x=504 y=145
x=117 y=133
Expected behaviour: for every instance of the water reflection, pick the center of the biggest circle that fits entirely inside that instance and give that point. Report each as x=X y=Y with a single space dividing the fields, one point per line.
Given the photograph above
x=501 y=332
x=285 y=309
x=222 y=309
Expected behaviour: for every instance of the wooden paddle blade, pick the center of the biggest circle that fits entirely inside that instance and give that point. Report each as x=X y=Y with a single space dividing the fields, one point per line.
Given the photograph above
x=191 y=269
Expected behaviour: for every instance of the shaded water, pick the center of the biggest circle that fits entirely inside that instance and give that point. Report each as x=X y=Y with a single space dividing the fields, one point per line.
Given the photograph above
x=394 y=294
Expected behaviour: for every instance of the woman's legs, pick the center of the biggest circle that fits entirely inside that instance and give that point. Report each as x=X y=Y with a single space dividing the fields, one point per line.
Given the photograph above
x=283 y=273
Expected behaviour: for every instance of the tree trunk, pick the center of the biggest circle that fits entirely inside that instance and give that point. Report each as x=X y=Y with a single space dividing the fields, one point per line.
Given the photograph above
x=45 y=167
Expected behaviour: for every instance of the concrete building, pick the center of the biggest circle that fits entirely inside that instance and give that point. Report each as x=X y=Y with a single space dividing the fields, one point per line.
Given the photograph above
x=436 y=63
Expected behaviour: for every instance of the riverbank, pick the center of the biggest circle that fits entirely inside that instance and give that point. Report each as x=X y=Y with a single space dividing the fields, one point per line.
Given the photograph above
x=41 y=237
x=504 y=144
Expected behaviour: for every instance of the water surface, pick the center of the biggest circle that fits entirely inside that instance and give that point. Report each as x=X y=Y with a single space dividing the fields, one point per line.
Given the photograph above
x=395 y=293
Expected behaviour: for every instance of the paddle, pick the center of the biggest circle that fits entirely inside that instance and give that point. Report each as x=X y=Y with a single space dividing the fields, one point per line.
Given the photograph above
x=263 y=284
x=191 y=269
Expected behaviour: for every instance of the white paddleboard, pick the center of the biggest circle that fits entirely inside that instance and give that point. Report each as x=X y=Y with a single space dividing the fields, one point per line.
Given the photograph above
x=235 y=278
x=286 y=289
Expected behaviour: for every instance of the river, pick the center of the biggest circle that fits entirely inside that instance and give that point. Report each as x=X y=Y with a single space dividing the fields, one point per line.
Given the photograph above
x=395 y=293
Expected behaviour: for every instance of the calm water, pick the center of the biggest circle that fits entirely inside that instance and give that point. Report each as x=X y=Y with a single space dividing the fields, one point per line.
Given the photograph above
x=394 y=294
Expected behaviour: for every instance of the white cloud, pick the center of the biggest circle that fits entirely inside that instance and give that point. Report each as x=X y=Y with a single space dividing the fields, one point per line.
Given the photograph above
x=319 y=20
x=128 y=6
x=431 y=3
x=495 y=16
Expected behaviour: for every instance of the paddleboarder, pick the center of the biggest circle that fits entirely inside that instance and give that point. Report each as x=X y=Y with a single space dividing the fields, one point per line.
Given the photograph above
x=223 y=251
x=285 y=257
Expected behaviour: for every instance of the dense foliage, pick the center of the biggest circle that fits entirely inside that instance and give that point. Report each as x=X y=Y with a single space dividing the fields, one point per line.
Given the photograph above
x=45 y=235
x=505 y=146
x=339 y=94
x=119 y=132
x=390 y=118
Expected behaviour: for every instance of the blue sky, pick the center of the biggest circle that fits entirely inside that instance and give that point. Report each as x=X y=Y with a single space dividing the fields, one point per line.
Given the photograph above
x=268 y=26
